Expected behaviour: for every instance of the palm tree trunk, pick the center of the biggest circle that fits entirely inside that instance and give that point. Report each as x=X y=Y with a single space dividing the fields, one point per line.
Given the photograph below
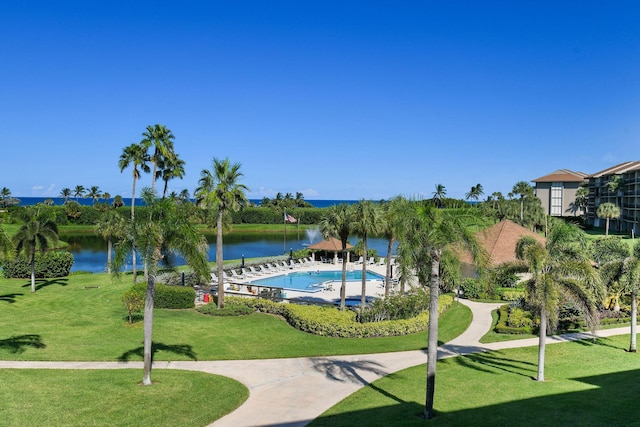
x=542 y=342
x=343 y=285
x=387 y=277
x=133 y=248
x=33 y=271
x=109 y=249
x=432 y=347
x=219 y=260
x=148 y=328
x=606 y=231
x=363 y=297
x=634 y=314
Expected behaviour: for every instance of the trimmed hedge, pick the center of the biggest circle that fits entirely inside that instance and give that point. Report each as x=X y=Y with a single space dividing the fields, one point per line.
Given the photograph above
x=329 y=321
x=47 y=265
x=503 y=326
x=171 y=297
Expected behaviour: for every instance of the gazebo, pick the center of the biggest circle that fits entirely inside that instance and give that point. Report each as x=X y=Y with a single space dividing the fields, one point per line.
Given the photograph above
x=330 y=245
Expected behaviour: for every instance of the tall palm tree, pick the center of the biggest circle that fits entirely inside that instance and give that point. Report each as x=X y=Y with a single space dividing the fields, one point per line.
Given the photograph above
x=367 y=221
x=79 y=191
x=94 y=194
x=475 y=193
x=38 y=232
x=5 y=193
x=582 y=199
x=220 y=190
x=439 y=195
x=170 y=168
x=165 y=229
x=5 y=242
x=110 y=226
x=161 y=139
x=388 y=231
x=524 y=189
x=560 y=268
x=336 y=222
x=65 y=193
x=608 y=211
x=134 y=155
x=423 y=235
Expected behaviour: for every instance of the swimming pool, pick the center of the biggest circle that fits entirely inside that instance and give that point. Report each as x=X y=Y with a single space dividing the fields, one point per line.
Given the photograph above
x=311 y=281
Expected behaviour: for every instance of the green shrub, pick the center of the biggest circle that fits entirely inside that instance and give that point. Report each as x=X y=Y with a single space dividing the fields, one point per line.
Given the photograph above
x=171 y=297
x=512 y=294
x=134 y=302
x=47 y=265
x=229 y=310
x=503 y=326
x=518 y=318
x=395 y=307
x=471 y=288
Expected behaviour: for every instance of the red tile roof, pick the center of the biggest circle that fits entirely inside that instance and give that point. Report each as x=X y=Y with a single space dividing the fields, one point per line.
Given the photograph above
x=617 y=169
x=562 y=175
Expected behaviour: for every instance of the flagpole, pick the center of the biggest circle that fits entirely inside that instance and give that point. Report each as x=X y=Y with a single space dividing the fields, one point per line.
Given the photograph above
x=284 y=244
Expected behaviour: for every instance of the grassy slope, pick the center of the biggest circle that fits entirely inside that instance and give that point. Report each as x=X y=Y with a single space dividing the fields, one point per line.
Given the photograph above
x=65 y=321
x=587 y=384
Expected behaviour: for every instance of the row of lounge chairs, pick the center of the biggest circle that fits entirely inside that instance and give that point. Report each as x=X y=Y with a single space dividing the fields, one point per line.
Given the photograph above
x=261 y=270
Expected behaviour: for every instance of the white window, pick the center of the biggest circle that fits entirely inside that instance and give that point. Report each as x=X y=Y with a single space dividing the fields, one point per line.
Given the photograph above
x=556 y=199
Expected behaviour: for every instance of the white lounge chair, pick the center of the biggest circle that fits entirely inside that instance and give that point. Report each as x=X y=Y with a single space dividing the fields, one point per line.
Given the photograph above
x=359 y=261
x=380 y=261
x=264 y=269
x=254 y=271
x=235 y=275
x=246 y=273
x=371 y=261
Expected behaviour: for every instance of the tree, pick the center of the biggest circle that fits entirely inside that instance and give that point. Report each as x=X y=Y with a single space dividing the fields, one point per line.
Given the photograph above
x=608 y=211
x=5 y=243
x=79 y=191
x=170 y=168
x=134 y=155
x=161 y=139
x=38 y=232
x=582 y=199
x=94 y=194
x=336 y=222
x=65 y=193
x=165 y=229
x=219 y=190
x=5 y=193
x=388 y=231
x=367 y=221
x=117 y=201
x=560 y=269
x=525 y=190
x=110 y=226
x=475 y=193
x=439 y=195
x=423 y=235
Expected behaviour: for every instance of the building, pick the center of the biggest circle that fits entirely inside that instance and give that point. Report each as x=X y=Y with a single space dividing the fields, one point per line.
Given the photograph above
x=557 y=192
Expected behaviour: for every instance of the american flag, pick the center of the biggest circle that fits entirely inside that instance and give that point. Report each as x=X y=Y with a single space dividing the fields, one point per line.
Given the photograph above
x=289 y=218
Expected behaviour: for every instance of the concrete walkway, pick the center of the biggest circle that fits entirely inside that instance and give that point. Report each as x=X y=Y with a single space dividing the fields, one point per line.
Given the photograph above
x=292 y=392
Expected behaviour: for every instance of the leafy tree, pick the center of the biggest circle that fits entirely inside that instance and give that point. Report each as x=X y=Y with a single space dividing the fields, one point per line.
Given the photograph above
x=336 y=222
x=117 y=201
x=582 y=199
x=608 y=211
x=161 y=139
x=439 y=195
x=38 y=232
x=367 y=221
x=221 y=191
x=165 y=229
x=79 y=191
x=525 y=190
x=134 y=155
x=560 y=269
x=425 y=233
x=110 y=226
x=5 y=242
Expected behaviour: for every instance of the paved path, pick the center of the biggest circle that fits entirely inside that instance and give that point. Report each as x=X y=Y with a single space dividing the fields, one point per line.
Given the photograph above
x=292 y=392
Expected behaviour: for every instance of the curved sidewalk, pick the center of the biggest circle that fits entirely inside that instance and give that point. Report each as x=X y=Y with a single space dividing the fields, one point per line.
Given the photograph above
x=292 y=392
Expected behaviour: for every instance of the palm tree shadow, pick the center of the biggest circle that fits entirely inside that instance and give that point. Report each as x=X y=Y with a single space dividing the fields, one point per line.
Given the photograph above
x=19 y=343
x=43 y=283
x=181 y=349
x=10 y=298
x=489 y=362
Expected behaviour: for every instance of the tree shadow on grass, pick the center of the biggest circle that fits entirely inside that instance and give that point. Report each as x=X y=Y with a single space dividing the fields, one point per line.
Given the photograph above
x=19 y=343
x=43 y=283
x=492 y=361
x=10 y=298
x=180 y=349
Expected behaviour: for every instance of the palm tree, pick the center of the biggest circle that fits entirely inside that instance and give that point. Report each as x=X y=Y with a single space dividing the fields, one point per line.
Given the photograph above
x=134 y=155
x=161 y=139
x=439 y=195
x=5 y=242
x=65 y=193
x=106 y=196
x=336 y=222
x=475 y=193
x=608 y=211
x=220 y=190
x=110 y=226
x=5 y=193
x=170 y=168
x=582 y=199
x=117 y=201
x=94 y=194
x=423 y=234
x=388 y=231
x=165 y=229
x=524 y=189
x=79 y=191
x=184 y=195
x=367 y=221
x=560 y=268
x=38 y=232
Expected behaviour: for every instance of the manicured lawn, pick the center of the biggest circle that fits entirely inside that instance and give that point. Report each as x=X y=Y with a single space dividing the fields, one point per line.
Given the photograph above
x=81 y=317
x=588 y=383
x=45 y=397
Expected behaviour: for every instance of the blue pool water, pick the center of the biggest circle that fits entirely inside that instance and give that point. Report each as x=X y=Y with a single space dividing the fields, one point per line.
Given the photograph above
x=311 y=281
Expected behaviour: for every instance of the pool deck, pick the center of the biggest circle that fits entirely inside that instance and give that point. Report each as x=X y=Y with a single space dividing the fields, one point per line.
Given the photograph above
x=325 y=294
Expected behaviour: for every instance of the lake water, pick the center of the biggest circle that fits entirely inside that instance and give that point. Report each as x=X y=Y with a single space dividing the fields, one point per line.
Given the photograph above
x=90 y=252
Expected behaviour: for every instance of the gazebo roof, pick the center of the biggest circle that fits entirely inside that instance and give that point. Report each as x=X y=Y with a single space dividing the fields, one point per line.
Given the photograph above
x=330 y=244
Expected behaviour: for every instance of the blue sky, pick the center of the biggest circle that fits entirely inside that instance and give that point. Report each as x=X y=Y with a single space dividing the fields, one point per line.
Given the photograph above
x=335 y=99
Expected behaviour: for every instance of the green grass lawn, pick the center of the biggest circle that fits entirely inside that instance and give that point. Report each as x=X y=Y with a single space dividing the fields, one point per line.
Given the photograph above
x=44 y=397
x=81 y=317
x=588 y=383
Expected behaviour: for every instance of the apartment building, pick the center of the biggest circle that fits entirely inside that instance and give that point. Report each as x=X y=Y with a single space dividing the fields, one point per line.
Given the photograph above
x=557 y=191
